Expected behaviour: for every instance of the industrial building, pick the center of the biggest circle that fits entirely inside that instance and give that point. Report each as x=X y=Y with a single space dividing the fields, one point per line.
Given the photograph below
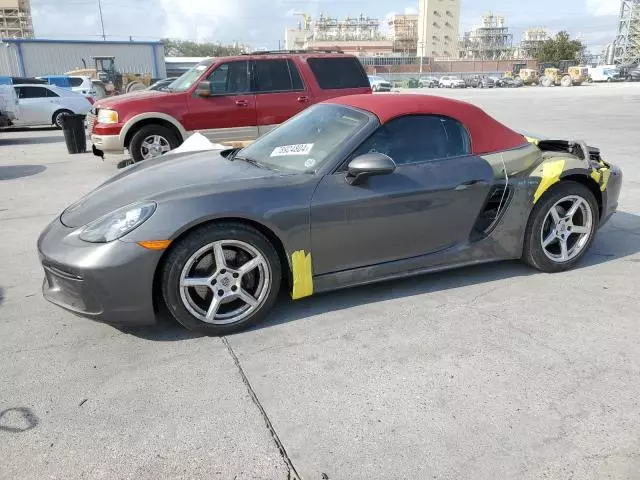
x=403 y=32
x=627 y=43
x=38 y=57
x=490 y=40
x=531 y=42
x=15 y=19
x=438 y=27
x=355 y=35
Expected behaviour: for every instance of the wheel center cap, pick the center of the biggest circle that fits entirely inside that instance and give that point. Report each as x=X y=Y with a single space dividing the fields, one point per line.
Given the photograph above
x=225 y=281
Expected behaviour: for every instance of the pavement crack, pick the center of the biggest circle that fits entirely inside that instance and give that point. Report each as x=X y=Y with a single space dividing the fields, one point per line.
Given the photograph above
x=293 y=473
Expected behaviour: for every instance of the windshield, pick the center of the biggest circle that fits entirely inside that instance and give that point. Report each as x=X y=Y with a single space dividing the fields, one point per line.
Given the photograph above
x=376 y=79
x=188 y=78
x=305 y=142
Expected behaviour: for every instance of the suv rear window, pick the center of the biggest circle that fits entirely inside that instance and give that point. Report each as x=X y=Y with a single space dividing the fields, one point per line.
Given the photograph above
x=76 y=81
x=338 y=72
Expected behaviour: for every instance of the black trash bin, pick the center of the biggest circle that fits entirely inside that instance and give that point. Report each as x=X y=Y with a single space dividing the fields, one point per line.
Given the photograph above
x=74 y=133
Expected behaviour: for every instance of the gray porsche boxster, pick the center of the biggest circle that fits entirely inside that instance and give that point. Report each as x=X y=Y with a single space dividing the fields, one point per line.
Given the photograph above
x=352 y=191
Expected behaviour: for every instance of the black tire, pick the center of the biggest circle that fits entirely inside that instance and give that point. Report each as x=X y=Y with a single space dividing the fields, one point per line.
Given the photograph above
x=533 y=253
x=194 y=241
x=135 y=146
x=56 y=119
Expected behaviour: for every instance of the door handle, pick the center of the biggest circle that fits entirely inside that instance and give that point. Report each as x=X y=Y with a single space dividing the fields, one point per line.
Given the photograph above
x=470 y=183
x=242 y=103
x=303 y=99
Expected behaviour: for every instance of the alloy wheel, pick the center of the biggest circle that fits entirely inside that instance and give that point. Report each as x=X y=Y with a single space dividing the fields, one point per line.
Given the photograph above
x=566 y=229
x=224 y=282
x=59 y=118
x=154 y=146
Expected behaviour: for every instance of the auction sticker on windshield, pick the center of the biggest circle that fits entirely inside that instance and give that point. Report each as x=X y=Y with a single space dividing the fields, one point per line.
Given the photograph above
x=284 y=150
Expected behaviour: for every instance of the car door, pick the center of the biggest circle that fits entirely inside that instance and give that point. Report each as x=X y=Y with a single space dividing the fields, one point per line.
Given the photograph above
x=430 y=203
x=35 y=107
x=228 y=111
x=279 y=92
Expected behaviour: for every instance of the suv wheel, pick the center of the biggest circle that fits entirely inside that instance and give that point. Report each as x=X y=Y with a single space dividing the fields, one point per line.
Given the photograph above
x=152 y=141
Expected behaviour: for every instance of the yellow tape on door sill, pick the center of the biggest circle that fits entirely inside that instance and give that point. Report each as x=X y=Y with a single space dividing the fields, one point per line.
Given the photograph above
x=302 y=275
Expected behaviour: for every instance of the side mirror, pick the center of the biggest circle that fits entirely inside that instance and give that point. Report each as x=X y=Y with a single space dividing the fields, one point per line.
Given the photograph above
x=369 y=165
x=204 y=89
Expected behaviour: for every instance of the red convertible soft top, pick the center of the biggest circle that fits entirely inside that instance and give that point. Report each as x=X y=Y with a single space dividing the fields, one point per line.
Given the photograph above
x=487 y=134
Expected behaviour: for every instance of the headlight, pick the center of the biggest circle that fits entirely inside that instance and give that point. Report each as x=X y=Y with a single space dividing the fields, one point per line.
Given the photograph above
x=117 y=224
x=107 y=116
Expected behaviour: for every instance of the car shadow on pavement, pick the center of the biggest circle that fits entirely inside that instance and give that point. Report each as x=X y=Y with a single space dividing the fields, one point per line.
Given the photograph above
x=619 y=239
x=29 y=129
x=12 y=172
x=31 y=140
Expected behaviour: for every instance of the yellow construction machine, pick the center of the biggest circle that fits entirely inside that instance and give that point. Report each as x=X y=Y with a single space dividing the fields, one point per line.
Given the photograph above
x=112 y=81
x=563 y=74
x=529 y=76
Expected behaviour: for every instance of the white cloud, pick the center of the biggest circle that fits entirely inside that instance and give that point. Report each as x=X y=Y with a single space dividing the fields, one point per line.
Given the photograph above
x=603 y=7
x=197 y=19
x=410 y=11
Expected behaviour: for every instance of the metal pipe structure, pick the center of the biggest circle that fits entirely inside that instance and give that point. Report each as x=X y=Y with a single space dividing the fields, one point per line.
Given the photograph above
x=627 y=44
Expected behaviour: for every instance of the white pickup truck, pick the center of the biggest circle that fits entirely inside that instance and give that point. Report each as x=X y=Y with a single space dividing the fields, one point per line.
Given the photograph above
x=9 y=106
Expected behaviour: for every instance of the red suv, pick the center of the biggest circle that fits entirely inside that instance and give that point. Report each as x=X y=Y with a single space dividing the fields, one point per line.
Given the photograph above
x=225 y=99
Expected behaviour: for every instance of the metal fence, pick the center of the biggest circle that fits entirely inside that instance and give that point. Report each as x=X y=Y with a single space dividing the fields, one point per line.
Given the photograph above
x=405 y=76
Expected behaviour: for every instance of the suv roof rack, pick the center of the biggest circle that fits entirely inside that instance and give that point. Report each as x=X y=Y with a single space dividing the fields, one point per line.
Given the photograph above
x=295 y=52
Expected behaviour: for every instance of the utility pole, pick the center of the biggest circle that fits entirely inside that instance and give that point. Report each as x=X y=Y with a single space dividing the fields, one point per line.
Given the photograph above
x=104 y=37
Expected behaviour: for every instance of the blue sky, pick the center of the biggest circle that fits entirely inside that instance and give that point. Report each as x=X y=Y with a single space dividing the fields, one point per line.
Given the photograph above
x=262 y=22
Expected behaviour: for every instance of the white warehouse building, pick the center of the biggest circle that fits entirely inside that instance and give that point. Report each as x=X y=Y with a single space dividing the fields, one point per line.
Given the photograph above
x=38 y=57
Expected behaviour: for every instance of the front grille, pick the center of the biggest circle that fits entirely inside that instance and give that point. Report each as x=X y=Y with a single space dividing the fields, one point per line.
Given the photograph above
x=91 y=119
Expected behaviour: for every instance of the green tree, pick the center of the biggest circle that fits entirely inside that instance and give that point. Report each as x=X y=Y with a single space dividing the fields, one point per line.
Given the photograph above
x=187 y=48
x=561 y=47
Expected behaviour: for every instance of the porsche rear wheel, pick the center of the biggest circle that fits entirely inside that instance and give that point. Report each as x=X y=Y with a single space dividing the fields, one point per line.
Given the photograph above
x=221 y=278
x=561 y=227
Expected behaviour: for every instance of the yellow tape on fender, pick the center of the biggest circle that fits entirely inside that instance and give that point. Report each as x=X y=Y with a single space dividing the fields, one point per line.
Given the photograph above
x=302 y=275
x=551 y=172
x=601 y=176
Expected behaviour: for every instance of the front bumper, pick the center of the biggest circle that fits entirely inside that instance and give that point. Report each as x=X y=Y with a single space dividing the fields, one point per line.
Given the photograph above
x=110 y=283
x=107 y=143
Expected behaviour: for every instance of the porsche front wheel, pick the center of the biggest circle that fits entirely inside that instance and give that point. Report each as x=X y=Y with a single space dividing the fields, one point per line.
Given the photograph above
x=221 y=278
x=561 y=227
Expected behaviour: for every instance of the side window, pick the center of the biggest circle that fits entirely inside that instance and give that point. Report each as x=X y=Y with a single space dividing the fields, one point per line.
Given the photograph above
x=276 y=76
x=418 y=138
x=32 y=92
x=296 y=80
x=230 y=78
x=20 y=92
x=338 y=72
x=51 y=93
x=76 y=81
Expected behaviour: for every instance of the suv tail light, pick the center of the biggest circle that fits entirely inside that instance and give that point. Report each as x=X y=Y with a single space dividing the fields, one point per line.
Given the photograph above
x=91 y=100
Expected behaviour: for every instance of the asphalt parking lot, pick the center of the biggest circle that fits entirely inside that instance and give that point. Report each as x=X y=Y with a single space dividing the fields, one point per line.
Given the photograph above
x=491 y=372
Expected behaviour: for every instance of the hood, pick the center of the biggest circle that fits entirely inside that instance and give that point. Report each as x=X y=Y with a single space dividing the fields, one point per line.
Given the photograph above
x=117 y=100
x=156 y=179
